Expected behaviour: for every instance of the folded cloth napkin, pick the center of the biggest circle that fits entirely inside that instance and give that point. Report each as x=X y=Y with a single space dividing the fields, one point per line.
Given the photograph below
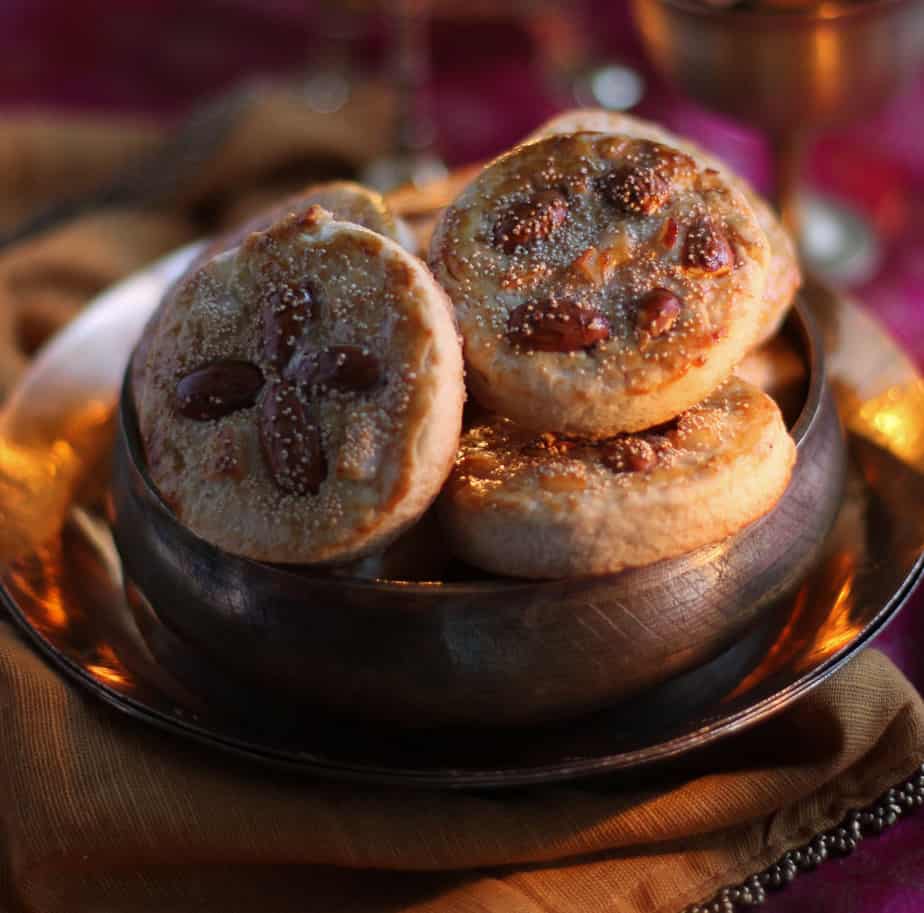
x=98 y=813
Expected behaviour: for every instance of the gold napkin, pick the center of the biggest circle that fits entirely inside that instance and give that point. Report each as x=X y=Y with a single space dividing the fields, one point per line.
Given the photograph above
x=99 y=813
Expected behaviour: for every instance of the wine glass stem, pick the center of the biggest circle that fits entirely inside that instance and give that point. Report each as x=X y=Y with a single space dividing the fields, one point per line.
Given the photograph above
x=788 y=160
x=414 y=131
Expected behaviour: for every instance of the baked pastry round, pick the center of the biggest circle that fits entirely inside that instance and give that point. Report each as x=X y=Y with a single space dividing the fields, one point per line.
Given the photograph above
x=783 y=275
x=602 y=283
x=301 y=398
x=345 y=200
x=547 y=505
x=778 y=368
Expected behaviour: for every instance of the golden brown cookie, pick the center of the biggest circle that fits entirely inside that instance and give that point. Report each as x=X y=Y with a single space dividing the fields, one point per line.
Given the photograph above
x=602 y=283
x=783 y=275
x=778 y=368
x=345 y=200
x=301 y=398
x=547 y=505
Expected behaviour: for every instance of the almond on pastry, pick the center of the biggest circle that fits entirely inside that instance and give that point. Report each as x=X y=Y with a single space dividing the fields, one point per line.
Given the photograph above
x=602 y=283
x=300 y=397
x=345 y=200
x=551 y=505
x=783 y=275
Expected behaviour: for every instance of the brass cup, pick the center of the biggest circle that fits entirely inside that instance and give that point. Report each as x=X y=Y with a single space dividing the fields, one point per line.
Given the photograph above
x=786 y=70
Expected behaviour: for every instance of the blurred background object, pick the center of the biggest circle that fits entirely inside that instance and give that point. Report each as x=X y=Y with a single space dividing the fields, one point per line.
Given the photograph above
x=792 y=67
x=466 y=80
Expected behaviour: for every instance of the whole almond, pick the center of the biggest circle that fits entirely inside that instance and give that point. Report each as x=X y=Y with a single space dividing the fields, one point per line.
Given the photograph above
x=343 y=367
x=629 y=454
x=647 y=182
x=669 y=233
x=291 y=440
x=557 y=325
x=218 y=389
x=657 y=312
x=707 y=249
x=639 y=189
x=530 y=221
x=285 y=316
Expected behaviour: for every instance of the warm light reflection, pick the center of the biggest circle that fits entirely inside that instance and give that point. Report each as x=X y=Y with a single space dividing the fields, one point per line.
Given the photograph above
x=829 y=10
x=893 y=420
x=23 y=464
x=35 y=489
x=40 y=581
x=839 y=628
x=53 y=604
x=784 y=647
x=828 y=58
x=41 y=467
x=107 y=675
x=107 y=654
x=108 y=667
x=804 y=642
x=43 y=588
x=88 y=425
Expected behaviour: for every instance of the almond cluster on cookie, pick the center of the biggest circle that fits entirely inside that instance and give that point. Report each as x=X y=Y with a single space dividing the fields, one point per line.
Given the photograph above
x=608 y=278
x=299 y=390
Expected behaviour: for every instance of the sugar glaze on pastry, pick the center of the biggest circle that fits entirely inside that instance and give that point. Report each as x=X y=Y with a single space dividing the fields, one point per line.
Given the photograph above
x=345 y=200
x=301 y=398
x=548 y=505
x=602 y=283
x=783 y=274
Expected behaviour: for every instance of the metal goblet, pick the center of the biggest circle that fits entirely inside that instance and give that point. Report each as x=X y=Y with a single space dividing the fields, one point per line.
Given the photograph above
x=786 y=67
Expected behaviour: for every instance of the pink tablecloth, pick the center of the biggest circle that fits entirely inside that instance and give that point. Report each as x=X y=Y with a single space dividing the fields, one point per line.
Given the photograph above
x=143 y=55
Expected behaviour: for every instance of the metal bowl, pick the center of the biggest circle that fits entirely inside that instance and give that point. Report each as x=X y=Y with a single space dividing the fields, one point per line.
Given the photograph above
x=475 y=651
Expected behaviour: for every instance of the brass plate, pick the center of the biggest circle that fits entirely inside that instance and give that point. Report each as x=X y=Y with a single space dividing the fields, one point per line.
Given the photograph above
x=63 y=582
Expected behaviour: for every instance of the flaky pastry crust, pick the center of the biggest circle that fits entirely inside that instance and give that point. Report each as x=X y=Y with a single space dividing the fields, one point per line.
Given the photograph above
x=602 y=283
x=301 y=398
x=548 y=506
x=783 y=274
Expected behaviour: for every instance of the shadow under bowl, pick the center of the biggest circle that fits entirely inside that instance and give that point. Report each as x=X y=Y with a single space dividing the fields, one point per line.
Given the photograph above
x=493 y=651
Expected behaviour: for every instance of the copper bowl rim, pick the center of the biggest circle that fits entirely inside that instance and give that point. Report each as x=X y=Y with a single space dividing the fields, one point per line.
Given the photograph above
x=764 y=18
x=799 y=318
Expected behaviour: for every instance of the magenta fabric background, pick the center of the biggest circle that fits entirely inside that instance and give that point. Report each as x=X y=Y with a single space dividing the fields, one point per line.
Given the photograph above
x=488 y=89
